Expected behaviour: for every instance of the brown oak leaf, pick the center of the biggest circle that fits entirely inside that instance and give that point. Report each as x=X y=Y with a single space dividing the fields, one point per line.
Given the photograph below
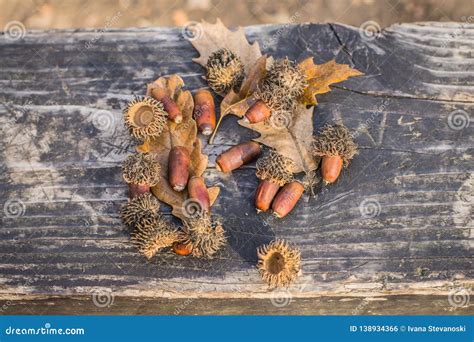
x=212 y=37
x=291 y=137
x=321 y=76
x=231 y=101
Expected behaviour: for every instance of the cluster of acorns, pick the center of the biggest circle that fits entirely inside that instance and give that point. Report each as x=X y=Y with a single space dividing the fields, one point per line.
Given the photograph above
x=279 y=188
x=277 y=96
x=200 y=236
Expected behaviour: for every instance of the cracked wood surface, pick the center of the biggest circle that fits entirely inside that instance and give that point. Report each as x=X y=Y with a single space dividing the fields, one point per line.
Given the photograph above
x=62 y=141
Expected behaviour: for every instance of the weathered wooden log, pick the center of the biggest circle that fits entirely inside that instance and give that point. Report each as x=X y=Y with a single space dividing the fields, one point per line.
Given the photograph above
x=395 y=227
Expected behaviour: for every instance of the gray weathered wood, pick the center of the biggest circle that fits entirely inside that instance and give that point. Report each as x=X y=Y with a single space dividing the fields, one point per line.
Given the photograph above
x=61 y=164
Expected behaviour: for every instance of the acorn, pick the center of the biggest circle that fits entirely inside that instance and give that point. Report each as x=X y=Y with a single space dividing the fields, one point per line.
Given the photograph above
x=197 y=191
x=151 y=237
x=181 y=249
x=179 y=162
x=141 y=171
x=203 y=236
x=237 y=156
x=140 y=209
x=145 y=117
x=204 y=111
x=278 y=263
x=274 y=170
x=280 y=89
x=287 y=198
x=224 y=71
x=336 y=146
x=169 y=105
x=257 y=112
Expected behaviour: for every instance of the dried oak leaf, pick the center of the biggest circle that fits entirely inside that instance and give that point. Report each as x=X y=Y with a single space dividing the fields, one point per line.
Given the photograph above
x=291 y=139
x=320 y=76
x=256 y=73
x=182 y=134
x=213 y=37
x=290 y=136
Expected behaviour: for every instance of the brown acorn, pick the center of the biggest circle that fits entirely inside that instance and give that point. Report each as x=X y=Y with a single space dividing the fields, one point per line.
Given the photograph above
x=279 y=264
x=280 y=89
x=336 y=146
x=258 y=112
x=174 y=113
x=141 y=171
x=331 y=167
x=264 y=195
x=204 y=111
x=145 y=117
x=274 y=170
x=181 y=249
x=237 y=156
x=197 y=191
x=287 y=198
x=178 y=167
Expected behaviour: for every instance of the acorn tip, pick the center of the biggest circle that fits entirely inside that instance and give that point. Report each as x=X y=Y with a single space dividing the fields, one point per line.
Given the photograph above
x=179 y=187
x=207 y=131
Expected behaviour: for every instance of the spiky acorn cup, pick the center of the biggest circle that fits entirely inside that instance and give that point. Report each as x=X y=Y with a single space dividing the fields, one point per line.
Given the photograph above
x=141 y=209
x=278 y=263
x=274 y=170
x=145 y=117
x=225 y=71
x=151 y=236
x=336 y=146
x=280 y=89
x=141 y=171
x=204 y=237
x=288 y=76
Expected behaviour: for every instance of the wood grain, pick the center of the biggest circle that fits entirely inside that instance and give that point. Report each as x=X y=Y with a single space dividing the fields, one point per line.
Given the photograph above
x=62 y=141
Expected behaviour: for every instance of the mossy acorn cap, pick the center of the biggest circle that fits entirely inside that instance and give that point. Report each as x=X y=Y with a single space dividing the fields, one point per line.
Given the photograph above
x=141 y=168
x=225 y=71
x=140 y=210
x=152 y=236
x=204 y=237
x=335 y=140
x=275 y=168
